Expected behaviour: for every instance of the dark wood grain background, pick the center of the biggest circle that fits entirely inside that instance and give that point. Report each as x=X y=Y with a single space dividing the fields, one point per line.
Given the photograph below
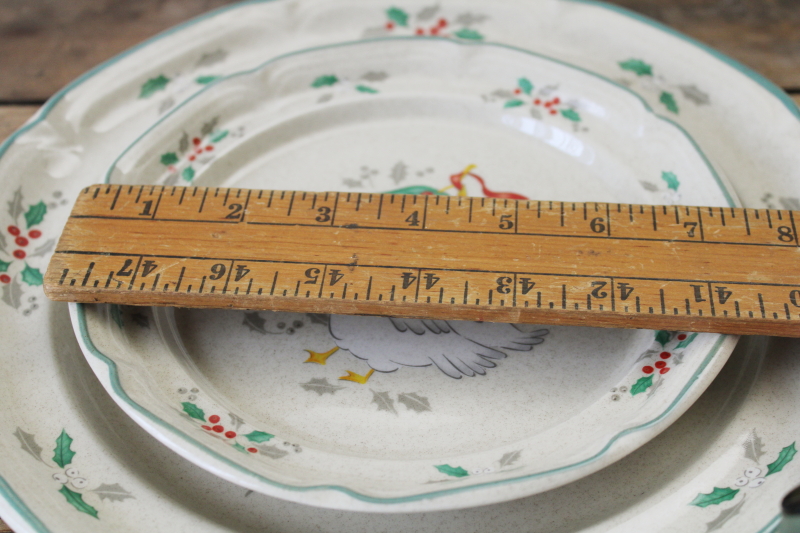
x=44 y=44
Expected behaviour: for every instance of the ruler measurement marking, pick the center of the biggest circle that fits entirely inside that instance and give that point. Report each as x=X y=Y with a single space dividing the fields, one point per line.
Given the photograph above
x=700 y=222
x=88 y=273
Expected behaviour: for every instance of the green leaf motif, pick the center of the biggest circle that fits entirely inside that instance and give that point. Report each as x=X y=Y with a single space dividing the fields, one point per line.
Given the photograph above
x=116 y=315
x=4 y=266
x=152 y=85
x=398 y=16
x=76 y=500
x=415 y=189
x=513 y=103
x=239 y=447
x=786 y=455
x=32 y=276
x=639 y=67
x=365 y=89
x=170 y=158
x=218 y=136
x=455 y=471
x=205 y=80
x=62 y=453
x=469 y=34
x=662 y=337
x=258 y=436
x=525 y=85
x=188 y=174
x=669 y=101
x=192 y=410
x=686 y=342
x=571 y=114
x=325 y=81
x=35 y=214
x=671 y=179
x=715 y=497
x=644 y=383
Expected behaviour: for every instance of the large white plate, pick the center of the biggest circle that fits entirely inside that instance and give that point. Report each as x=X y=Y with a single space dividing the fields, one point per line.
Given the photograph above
x=400 y=415
x=49 y=390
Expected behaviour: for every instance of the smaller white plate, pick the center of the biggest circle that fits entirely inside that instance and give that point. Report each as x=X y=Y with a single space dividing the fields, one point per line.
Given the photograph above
x=396 y=416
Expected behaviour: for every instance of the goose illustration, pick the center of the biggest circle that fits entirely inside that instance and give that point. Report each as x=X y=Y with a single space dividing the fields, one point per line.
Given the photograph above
x=454 y=347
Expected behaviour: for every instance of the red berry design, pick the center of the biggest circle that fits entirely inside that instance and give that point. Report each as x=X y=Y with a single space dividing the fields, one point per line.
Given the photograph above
x=537 y=101
x=442 y=23
x=34 y=234
x=553 y=111
x=207 y=428
x=548 y=104
x=191 y=157
x=665 y=370
x=648 y=369
x=21 y=241
x=218 y=428
x=213 y=419
x=556 y=100
x=681 y=337
x=420 y=31
x=517 y=91
x=252 y=450
x=434 y=30
x=389 y=25
x=19 y=254
x=665 y=355
x=230 y=434
x=13 y=230
x=660 y=364
x=196 y=141
x=209 y=148
x=5 y=278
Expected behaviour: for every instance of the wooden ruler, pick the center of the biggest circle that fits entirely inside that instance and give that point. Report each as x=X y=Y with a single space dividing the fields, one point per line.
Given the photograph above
x=715 y=269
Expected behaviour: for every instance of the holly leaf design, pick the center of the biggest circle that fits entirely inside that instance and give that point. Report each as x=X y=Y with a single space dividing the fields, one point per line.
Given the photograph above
x=12 y=294
x=686 y=342
x=641 y=385
x=192 y=410
x=114 y=493
x=259 y=436
x=209 y=126
x=398 y=172
x=218 y=136
x=32 y=276
x=205 y=80
x=724 y=516
x=254 y=322
x=62 y=453
x=116 y=315
x=28 y=443
x=414 y=402
x=571 y=114
x=753 y=447
x=468 y=34
x=320 y=386
x=637 y=66
x=663 y=337
x=669 y=102
x=272 y=451
x=784 y=458
x=366 y=89
x=525 y=85
x=324 y=81
x=671 y=179
x=239 y=447
x=715 y=497
x=76 y=500
x=455 y=471
x=211 y=58
x=513 y=103
x=427 y=13
x=35 y=214
x=153 y=85
x=4 y=265
x=398 y=16
x=384 y=402
x=15 y=204
x=170 y=158
x=510 y=458
x=691 y=92
x=188 y=174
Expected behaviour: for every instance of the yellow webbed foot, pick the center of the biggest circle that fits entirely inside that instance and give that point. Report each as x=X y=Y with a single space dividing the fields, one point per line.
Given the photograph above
x=358 y=378
x=320 y=357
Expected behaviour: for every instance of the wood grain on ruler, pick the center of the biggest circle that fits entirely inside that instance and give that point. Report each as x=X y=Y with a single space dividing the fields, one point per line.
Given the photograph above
x=616 y=265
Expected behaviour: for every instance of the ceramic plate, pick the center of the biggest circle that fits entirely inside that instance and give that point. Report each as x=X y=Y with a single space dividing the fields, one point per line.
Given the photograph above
x=696 y=476
x=392 y=414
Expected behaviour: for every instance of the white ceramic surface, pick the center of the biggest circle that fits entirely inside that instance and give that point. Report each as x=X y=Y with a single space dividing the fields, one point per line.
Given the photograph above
x=745 y=421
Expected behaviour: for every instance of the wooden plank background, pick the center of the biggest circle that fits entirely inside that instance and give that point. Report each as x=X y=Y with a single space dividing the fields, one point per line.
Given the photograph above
x=44 y=44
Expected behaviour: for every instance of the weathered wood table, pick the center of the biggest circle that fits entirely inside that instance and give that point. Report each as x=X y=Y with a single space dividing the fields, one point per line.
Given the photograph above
x=45 y=44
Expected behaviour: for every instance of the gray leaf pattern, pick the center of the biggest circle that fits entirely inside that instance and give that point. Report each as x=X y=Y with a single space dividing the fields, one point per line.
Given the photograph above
x=656 y=385
x=414 y=402
x=236 y=421
x=646 y=354
x=510 y=458
x=15 y=204
x=373 y=75
x=324 y=98
x=165 y=105
x=351 y=182
x=271 y=451
x=384 y=402
x=648 y=186
x=12 y=294
x=724 y=516
x=114 y=493
x=536 y=113
x=398 y=172
x=468 y=19
x=753 y=447
x=211 y=58
x=28 y=443
x=2 y=243
x=427 y=13
x=43 y=249
x=183 y=144
x=375 y=31
x=691 y=92
x=209 y=126
x=320 y=386
x=503 y=93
